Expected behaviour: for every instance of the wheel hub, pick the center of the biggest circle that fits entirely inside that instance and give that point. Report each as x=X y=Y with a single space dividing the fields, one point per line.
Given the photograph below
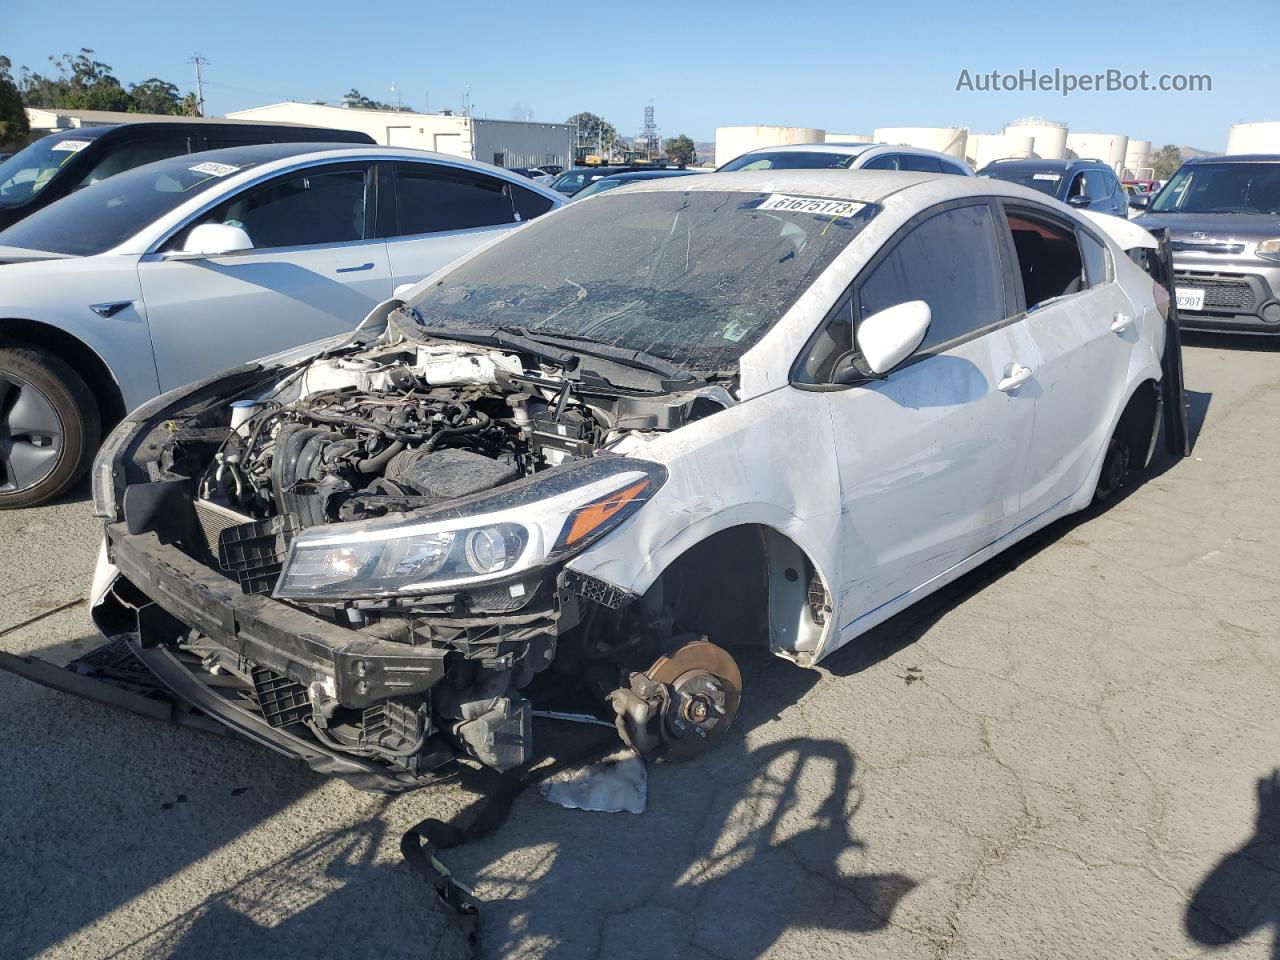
x=685 y=702
x=30 y=435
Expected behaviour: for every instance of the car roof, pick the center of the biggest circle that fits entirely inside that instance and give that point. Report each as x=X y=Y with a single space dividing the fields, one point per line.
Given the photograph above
x=868 y=186
x=1237 y=158
x=1030 y=164
x=838 y=148
x=630 y=175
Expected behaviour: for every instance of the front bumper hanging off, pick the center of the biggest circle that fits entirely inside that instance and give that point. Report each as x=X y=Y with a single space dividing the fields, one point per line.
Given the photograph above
x=161 y=594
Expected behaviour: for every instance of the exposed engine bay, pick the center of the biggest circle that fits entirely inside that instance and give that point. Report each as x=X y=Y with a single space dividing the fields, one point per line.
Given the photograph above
x=390 y=517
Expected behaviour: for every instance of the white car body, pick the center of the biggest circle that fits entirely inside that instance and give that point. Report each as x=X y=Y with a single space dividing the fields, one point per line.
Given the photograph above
x=894 y=488
x=818 y=503
x=862 y=156
x=171 y=320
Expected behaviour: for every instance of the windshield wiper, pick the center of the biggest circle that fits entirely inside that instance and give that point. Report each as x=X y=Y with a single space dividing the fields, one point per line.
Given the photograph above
x=509 y=338
x=636 y=359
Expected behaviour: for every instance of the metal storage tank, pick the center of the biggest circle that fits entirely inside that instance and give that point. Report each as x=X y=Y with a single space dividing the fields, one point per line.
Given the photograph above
x=848 y=138
x=1254 y=137
x=983 y=148
x=948 y=140
x=1048 y=138
x=735 y=141
x=1137 y=158
x=1107 y=147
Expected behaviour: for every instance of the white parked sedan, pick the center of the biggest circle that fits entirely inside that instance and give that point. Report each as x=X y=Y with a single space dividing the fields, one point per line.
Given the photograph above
x=594 y=457
x=182 y=268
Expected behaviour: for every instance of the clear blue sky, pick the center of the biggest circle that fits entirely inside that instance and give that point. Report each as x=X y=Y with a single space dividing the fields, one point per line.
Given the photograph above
x=834 y=65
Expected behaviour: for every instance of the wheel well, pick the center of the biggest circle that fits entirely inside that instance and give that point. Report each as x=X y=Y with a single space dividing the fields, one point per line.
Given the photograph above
x=748 y=585
x=1137 y=426
x=79 y=356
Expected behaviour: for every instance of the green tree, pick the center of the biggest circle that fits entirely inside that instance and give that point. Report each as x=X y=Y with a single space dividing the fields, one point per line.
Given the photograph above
x=1166 y=161
x=189 y=107
x=80 y=83
x=13 y=117
x=355 y=98
x=593 y=132
x=154 y=96
x=681 y=150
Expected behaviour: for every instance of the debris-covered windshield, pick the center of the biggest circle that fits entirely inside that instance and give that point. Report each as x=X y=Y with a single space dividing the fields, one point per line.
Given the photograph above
x=693 y=277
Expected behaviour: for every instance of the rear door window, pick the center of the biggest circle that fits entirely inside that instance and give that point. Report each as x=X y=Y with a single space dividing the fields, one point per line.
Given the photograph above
x=918 y=164
x=126 y=156
x=319 y=205
x=952 y=262
x=435 y=199
x=887 y=162
x=529 y=204
x=1048 y=256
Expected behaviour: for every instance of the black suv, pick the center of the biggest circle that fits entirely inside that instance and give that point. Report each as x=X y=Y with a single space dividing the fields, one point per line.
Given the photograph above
x=62 y=162
x=1087 y=184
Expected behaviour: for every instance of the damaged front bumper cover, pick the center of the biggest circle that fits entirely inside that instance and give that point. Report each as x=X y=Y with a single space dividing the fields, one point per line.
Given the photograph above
x=162 y=595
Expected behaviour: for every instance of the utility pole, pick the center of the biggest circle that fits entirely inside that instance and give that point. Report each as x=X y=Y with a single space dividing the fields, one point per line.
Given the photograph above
x=198 y=60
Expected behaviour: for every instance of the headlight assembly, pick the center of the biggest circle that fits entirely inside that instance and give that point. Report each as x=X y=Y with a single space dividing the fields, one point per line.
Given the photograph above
x=499 y=534
x=1268 y=249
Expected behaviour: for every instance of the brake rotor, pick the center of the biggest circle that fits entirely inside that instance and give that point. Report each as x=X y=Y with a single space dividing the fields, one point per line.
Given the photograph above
x=705 y=691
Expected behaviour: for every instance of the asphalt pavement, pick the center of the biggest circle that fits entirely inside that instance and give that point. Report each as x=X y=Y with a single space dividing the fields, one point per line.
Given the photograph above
x=1065 y=754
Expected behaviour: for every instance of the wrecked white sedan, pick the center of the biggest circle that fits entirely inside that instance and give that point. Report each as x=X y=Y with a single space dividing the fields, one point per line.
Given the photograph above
x=585 y=463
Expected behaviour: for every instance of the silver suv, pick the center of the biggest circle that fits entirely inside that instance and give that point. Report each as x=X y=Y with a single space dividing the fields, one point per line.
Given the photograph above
x=1223 y=216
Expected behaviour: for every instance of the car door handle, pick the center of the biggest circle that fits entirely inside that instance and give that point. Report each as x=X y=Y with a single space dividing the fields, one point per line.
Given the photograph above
x=1121 y=323
x=1016 y=378
x=363 y=266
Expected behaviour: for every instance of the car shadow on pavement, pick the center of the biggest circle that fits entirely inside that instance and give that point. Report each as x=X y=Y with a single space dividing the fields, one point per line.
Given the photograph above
x=1241 y=895
x=751 y=844
x=737 y=849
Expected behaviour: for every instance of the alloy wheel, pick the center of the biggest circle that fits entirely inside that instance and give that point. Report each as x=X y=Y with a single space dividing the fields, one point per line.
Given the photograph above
x=30 y=435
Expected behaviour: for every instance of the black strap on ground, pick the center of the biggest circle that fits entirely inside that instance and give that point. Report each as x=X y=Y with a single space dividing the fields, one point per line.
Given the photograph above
x=498 y=792
x=1177 y=435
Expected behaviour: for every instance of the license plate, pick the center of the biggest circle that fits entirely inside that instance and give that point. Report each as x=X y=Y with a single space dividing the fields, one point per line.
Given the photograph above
x=1190 y=298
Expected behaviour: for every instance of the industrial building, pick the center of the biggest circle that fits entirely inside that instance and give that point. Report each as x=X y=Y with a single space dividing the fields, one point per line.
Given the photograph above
x=505 y=143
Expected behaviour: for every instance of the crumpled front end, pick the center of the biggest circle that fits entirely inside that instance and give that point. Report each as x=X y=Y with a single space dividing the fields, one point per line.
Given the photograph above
x=358 y=560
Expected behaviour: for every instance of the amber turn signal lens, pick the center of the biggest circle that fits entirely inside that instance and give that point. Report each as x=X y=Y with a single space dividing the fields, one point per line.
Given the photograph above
x=589 y=518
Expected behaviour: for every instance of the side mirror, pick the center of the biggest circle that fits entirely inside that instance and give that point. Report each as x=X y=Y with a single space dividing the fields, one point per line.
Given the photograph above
x=888 y=337
x=1140 y=201
x=212 y=240
x=1079 y=200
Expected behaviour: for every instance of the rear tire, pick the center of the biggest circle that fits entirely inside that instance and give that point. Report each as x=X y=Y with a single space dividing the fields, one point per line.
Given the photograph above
x=1115 y=467
x=50 y=426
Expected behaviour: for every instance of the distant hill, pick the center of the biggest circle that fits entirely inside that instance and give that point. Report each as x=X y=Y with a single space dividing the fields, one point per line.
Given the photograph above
x=1189 y=152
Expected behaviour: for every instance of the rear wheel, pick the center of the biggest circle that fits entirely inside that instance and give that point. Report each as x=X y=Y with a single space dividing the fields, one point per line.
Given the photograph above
x=49 y=426
x=1115 y=467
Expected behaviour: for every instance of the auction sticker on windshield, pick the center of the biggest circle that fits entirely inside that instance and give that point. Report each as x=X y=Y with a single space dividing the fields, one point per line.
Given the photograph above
x=70 y=146
x=213 y=169
x=822 y=206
